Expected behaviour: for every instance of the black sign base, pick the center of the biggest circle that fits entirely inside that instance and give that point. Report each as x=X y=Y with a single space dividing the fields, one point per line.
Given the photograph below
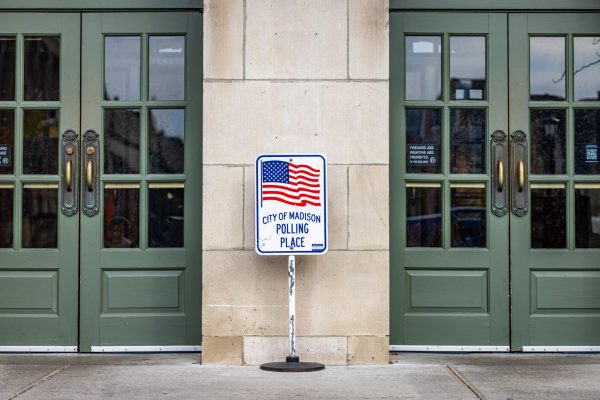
x=292 y=364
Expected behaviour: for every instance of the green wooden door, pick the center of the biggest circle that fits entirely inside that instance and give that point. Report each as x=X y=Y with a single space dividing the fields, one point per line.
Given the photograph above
x=527 y=168
x=449 y=237
x=100 y=197
x=39 y=102
x=555 y=245
x=140 y=232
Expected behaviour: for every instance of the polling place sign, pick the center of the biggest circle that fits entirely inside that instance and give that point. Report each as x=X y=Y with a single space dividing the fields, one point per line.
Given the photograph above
x=291 y=204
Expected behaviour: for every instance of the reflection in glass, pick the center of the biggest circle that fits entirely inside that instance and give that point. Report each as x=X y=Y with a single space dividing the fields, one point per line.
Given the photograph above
x=39 y=227
x=6 y=217
x=548 y=141
x=547 y=68
x=587 y=141
x=423 y=140
x=587 y=68
x=121 y=141
x=122 y=58
x=548 y=219
x=121 y=217
x=467 y=68
x=423 y=68
x=42 y=68
x=423 y=217
x=166 y=134
x=468 y=217
x=587 y=218
x=165 y=227
x=167 y=68
x=7 y=68
x=467 y=141
x=7 y=141
x=40 y=141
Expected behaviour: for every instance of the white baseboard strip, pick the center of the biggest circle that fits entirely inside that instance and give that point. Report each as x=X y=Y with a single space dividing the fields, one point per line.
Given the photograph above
x=38 y=349
x=561 y=349
x=144 y=349
x=454 y=349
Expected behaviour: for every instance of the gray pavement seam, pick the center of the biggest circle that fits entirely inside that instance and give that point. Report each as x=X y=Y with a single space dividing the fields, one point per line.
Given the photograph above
x=465 y=382
x=37 y=383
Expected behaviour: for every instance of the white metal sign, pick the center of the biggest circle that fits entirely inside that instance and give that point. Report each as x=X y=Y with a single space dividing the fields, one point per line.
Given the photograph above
x=291 y=204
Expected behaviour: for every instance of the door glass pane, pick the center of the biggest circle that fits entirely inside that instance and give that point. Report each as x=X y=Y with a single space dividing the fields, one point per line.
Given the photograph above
x=121 y=216
x=40 y=222
x=423 y=68
x=587 y=68
x=587 y=141
x=7 y=140
x=166 y=138
x=42 y=68
x=423 y=140
x=7 y=68
x=468 y=217
x=548 y=142
x=548 y=218
x=467 y=141
x=6 y=216
x=587 y=218
x=423 y=217
x=166 y=217
x=467 y=68
x=40 y=142
x=122 y=71
x=167 y=68
x=547 y=68
x=121 y=141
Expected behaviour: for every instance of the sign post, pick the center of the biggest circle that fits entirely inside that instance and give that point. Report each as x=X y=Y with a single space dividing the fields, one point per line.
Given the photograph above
x=291 y=219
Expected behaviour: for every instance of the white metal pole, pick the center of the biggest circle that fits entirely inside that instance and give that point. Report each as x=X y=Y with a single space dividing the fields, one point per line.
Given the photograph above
x=292 y=303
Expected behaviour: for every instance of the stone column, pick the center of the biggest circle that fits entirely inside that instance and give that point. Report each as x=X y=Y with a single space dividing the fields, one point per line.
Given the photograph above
x=296 y=76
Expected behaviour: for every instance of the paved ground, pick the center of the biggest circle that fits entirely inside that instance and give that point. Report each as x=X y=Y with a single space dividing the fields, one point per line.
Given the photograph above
x=411 y=376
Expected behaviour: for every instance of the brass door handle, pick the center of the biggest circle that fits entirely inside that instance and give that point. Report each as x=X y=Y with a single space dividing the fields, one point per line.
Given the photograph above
x=68 y=175
x=521 y=175
x=89 y=175
x=500 y=175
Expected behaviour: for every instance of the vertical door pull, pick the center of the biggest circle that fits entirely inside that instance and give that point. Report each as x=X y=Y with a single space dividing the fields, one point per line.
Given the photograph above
x=500 y=175
x=499 y=158
x=518 y=157
x=90 y=195
x=90 y=175
x=70 y=157
x=521 y=175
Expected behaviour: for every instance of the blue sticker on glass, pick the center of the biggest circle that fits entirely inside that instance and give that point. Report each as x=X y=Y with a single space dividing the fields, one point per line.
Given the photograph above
x=5 y=155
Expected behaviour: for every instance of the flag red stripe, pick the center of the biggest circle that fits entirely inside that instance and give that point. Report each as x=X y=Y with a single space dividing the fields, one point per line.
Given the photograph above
x=297 y=189
x=304 y=175
x=303 y=166
x=302 y=178
x=301 y=203
x=303 y=171
x=290 y=196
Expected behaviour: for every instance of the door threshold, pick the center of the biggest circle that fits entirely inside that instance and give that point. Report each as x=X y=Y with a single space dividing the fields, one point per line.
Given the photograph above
x=38 y=349
x=450 y=349
x=561 y=349
x=144 y=349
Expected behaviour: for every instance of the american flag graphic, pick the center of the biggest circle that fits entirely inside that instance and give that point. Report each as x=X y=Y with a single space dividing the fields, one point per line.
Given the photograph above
x=294 y=184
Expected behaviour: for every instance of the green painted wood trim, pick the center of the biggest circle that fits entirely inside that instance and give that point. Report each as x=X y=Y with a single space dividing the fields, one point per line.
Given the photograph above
x=101 y=5
x=495 y=5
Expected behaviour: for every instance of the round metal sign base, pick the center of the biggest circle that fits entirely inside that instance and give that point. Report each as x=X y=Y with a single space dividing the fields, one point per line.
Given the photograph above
x=294 y=366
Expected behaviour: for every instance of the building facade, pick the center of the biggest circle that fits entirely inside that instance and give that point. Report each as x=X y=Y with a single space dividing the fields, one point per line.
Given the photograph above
x=463 y=175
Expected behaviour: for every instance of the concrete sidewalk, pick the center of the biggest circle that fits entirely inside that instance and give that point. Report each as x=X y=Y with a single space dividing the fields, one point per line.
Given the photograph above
x=411 y=376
